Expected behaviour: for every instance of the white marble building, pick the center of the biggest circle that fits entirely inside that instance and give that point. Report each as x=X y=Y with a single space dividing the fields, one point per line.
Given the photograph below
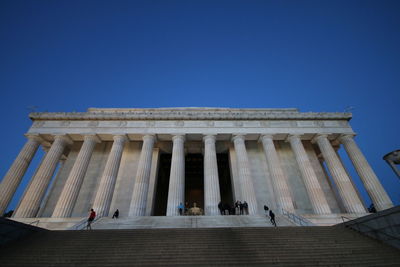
x=144 y=162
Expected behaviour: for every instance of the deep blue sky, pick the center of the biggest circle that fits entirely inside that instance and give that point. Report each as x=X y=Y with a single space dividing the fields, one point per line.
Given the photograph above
x=313 y=55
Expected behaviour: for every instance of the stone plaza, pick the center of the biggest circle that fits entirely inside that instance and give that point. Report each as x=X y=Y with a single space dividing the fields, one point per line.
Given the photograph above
x=145 y=162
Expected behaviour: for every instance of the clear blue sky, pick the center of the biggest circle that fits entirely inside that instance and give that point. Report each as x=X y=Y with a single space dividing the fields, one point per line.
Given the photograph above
x=320 y=56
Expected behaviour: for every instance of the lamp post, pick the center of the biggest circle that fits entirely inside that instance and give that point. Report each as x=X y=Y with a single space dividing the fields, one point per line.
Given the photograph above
x=393 y=159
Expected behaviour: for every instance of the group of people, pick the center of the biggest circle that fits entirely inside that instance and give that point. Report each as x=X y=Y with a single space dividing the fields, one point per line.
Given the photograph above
x=238 y=208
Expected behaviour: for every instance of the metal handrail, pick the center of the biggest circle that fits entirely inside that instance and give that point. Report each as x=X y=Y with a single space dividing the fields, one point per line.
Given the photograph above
x=297 y=219
x=36 y=222
x=83 y=222
x=375 y=231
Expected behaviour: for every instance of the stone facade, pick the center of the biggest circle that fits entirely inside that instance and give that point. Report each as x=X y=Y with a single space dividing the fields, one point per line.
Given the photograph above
x=113 y=160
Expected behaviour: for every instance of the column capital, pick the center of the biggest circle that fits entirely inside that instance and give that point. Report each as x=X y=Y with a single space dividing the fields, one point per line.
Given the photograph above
x=120 y=138
x=292 y=136
x=317 y=137
x=209 y=137
x=344 y=137
x=178 y=137
x=150 y=137
x=265 y=136
x=34 y=137
x=238 y=137
x=93 y=137
x=64 y=138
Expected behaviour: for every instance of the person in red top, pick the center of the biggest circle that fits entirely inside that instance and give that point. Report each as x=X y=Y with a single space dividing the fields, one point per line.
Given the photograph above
x=90 y=219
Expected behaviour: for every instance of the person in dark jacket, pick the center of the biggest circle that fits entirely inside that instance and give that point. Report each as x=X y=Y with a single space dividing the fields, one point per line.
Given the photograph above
x=116 y=214
x=272 y=218
x=221 y=208
x=246 y=208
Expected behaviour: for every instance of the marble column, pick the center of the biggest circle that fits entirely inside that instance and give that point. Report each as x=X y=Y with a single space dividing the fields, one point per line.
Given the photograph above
x=106 y=187
x=30 y=203
x=314 y=190
x=371 y=182
x=278 y=177
x=348 y=194
x=211 y=181
x=141 y=188
x=244 y=174
x=13 y=177
x=176 y=190
x=66 y=201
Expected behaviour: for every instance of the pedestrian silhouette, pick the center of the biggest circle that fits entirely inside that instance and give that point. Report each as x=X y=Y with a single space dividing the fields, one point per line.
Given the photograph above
x=116 y=214
x=221 y=208
x=181 y=208
x=272 y=218
x=92 y=215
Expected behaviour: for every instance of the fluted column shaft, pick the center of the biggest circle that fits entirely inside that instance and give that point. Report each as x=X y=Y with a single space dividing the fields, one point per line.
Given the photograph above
x=141 y=188
x=371 y=182
x=105 y=191
x=314 y=190
x=13 y=177
x=30 y=203
x=244 y=173
x=66 y=201
x=176 y=190
x=349 y=196
x=279 y=179
x=211 y=181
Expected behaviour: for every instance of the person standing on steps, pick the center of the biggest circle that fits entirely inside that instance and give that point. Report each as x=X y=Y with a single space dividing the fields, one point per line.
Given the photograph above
x=221 y=208
x=272 y=218
x=246 y=208
x=92 y=215
x=181 y=208
x=237 y=208
x=116 y=214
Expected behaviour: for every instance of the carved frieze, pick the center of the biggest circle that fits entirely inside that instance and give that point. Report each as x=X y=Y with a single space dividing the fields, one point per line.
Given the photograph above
x=93 y=123
x=37 y=124
x=190 y=114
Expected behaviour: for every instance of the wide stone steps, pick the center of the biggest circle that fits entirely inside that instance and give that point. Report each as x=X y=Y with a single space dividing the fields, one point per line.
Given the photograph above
x=152 y=222
x=256 y=246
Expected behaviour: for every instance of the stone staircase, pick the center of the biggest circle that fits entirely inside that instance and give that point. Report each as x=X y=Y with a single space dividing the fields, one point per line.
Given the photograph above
x=146 y=222
x=239 y=246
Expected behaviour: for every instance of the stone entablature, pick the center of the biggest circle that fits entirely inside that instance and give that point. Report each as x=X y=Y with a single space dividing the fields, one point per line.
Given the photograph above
x=190 y=114
x=192 y=121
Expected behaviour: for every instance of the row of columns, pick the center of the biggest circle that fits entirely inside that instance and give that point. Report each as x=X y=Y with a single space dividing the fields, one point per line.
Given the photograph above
x=30 y=202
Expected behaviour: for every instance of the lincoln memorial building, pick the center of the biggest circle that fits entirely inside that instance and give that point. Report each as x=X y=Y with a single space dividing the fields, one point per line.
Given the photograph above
x=145 y=162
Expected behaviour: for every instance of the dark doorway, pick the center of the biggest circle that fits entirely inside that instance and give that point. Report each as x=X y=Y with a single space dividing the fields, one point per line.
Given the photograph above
x=194 y=180
x=224 y=173
x=164 y=169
